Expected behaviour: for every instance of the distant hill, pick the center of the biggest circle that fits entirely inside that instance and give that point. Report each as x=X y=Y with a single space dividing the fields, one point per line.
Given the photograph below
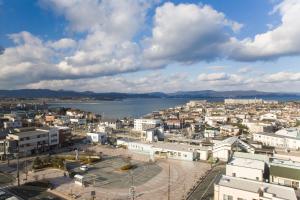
x=63 y=94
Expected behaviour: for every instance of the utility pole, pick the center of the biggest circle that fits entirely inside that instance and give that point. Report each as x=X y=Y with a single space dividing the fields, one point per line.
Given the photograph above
x=169 y=183
x=132 y=189
x=18 y=169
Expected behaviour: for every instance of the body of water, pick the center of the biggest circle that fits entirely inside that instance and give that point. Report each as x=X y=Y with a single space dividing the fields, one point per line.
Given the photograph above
x=137 y=107
x=125 y=108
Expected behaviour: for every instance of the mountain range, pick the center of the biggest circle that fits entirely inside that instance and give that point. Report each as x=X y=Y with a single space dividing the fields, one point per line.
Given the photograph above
x=64 y=94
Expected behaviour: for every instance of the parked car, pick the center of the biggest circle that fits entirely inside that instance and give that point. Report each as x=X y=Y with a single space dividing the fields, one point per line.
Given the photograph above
x=84 y=168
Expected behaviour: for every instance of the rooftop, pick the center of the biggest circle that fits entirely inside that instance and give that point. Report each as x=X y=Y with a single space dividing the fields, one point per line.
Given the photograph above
x=285 y=163
x=249 y=163
x=30 y=133
x=255 y=186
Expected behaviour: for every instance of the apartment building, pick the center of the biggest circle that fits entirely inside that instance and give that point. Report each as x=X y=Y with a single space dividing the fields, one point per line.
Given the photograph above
x=144 y=124
x=98 y=137
x=7 y=148
x=30 y=140
x=285 y=172
x=224 y=149
x=284 y=139
x=243 y=101
x=247 y=168
x=235 y=188
x=229 y=130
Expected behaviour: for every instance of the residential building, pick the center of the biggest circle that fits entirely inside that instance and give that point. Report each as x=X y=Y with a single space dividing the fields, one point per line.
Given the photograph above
x=144 y=124
x=30 y=140
x=224 y=150
x=243 y=101
x=285 y=139
x=229 y=130
x=97 y=137
x=78 y=121
x=12 y=124
x=234 y=188
x=211 y=133
x=285 y=172
x=65 y=136
x=247 y=168
x=7 y=148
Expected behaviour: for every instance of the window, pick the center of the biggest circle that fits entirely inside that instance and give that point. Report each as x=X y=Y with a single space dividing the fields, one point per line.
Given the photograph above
x=257 y=178
x=240 y=198
x=233 y=174
x=227 y=197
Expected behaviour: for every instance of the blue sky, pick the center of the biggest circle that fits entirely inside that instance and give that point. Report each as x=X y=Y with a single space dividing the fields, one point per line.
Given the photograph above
x=150 y=45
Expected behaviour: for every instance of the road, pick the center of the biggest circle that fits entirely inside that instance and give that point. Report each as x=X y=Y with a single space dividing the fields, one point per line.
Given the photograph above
x=205 y=190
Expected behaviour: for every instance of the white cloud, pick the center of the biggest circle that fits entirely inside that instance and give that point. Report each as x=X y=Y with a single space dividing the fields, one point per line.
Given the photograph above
x=216 y=68
x=113 y=41
x=281 y=41
x=64 y=43
x=282 y=77
x=188 y=33
x=245 y=70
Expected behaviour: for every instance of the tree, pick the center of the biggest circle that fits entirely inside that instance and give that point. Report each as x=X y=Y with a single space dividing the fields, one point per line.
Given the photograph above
x=37 y=163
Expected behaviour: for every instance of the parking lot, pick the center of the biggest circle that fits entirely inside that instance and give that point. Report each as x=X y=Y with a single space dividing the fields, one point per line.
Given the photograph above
x=150 y=180
x=108 y=173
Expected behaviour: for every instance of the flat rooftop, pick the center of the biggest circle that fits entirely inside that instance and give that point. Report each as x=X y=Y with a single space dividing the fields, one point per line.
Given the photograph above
x=277 y=136
x=254 y=187
x=249 y=163
x=30 y=133
x=177 y=147
x=252 y=156
x=285 y=163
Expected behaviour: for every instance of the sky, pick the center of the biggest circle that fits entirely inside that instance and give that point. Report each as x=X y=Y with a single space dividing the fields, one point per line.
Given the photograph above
x=142 y=46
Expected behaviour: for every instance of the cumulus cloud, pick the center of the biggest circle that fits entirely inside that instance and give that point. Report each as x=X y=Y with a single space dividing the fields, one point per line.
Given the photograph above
x=188 y=33
x=281 y=41
x=64 y=43
x=282 y=77
x=113 y=41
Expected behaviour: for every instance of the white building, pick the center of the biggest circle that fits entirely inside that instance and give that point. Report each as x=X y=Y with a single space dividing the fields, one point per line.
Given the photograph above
x=243 y=101
x=30 y=140
x=246 y=168
x=167 y=150
x=12 y=124
x=224 y=150
x=268 y=116
x=234 y=188
x=229 y=130
x=53 y=136
x=257 y=127
x=144 y=124
x=285 y=172
x=285 y=139
x=213 y=120
x=195 y=103
x=153 y=135
x=98 y=137
x=79 y=121
x=211 y=133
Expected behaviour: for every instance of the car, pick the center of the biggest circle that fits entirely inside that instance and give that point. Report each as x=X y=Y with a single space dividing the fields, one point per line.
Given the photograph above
x=84 y=168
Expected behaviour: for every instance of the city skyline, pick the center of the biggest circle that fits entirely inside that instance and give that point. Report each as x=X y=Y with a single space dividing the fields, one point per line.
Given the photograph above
x=149 y=46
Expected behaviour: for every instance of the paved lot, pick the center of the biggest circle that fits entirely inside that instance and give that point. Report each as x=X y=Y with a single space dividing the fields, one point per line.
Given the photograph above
x=149 y=184
x=6 y=179
x=205 y=189
x=107 y=173
x=33 y=193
